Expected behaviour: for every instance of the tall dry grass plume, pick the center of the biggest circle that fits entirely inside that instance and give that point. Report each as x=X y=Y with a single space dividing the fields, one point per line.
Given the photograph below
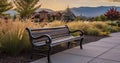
x=13 y=36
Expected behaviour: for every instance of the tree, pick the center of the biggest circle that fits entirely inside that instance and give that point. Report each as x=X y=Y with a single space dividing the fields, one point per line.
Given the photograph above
x=112 y=14
x=100 y=18
x=26 y=7
x=4 y=6
x=68 y=15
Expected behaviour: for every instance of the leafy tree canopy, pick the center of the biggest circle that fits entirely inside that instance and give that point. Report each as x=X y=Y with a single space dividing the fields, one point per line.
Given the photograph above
x=26 y=7
x=5 y=6
x=112 y=14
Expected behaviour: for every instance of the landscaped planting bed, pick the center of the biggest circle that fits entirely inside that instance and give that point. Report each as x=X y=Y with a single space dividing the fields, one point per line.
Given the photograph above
x=15 y=46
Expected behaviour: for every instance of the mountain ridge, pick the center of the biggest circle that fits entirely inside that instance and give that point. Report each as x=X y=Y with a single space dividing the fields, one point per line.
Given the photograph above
x=92 y=11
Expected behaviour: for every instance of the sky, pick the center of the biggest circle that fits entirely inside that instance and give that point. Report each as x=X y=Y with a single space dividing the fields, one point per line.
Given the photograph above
x=63 y=4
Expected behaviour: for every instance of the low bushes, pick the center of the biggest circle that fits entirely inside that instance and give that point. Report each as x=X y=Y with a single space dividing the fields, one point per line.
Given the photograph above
x=89 y=28
x=118 y=22
x=114 y=23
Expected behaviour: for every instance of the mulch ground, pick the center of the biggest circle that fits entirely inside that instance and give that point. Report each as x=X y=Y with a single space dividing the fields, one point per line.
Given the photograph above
x=25 y=57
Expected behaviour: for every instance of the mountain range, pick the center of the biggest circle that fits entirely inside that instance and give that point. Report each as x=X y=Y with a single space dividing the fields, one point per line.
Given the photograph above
x=92 y=11
x=81 y=11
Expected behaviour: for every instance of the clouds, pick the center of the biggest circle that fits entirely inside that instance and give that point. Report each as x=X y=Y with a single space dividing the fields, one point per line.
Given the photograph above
x=62 y=4
x=112 y=0
x=116 y=0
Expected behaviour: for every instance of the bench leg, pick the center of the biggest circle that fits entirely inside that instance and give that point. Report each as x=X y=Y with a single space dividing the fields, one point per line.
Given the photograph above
x=48 y=55
x=81 y=43
x=68 y=45
x=31 y=56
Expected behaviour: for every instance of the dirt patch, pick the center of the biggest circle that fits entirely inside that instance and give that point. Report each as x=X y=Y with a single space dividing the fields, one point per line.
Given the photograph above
x=25 y=57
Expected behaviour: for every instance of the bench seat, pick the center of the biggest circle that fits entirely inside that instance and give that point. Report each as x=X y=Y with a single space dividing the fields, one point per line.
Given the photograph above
x=51 y=37
x=59 y=40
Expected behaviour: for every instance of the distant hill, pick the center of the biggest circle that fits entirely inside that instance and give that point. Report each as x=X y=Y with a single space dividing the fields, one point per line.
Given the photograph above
x=49 y=10
x=91 y=11
x=11 y=12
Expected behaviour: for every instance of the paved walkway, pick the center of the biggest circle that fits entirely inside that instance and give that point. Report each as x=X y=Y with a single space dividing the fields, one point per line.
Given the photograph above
x=106 y=50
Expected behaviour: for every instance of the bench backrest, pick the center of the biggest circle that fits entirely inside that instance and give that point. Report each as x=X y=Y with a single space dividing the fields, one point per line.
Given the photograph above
x=54 y=33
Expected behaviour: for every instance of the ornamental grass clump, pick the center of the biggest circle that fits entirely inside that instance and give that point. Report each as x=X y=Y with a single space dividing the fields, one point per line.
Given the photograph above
x=93 y=31
x=79 y=25
x=99 y=25
x=13 y=36
x=13 y=41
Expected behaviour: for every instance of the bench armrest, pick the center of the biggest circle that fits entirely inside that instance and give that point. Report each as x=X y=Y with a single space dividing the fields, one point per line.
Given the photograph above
x=45 y=35
x=81 y=32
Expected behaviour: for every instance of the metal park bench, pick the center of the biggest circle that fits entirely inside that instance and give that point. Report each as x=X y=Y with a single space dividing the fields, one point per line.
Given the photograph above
x=50 y=37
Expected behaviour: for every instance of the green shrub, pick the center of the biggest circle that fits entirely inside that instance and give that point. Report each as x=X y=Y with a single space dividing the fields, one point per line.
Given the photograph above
x=110 y=29
x=113 y=23
x=114 y=29
x=93 y=31
x=118 y=22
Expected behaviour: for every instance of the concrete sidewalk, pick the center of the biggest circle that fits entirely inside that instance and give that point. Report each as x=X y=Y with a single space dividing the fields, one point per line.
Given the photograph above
x=106 y=50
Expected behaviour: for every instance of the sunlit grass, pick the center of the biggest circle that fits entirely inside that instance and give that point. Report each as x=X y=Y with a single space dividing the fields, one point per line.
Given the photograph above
x=13 y=36
x=90 y=28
